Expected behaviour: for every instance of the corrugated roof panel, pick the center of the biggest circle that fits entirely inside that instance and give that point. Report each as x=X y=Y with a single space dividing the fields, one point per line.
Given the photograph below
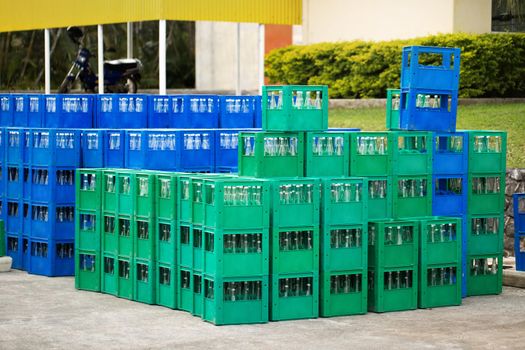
x=39 y=14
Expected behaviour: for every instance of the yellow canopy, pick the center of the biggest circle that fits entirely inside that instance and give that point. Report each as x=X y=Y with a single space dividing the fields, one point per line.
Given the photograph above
x=39 y=14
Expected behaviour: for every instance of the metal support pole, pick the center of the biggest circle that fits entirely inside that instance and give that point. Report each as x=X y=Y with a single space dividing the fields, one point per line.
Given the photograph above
x=238 y=91
x=162 y=57
x=47 y=63
x=100 y=54
x=261 y=57
x=129 y=41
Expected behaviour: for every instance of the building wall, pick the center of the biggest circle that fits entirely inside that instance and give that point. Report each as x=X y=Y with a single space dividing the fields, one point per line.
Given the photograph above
x=472 y=16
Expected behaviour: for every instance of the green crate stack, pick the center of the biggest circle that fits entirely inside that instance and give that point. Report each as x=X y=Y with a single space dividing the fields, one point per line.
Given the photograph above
x=166 y=227
x=440 y=262
x=393 y=257
x=344 y=258
x=371 y=153
x=393 y=100
x=87 y=229
x=327 y=153
x=485 y=208
x=295 y=219
x=412 y=153
x=235 y=250
x=271 y=154
x=295 y=108
x=412 y=196
x=380 y=196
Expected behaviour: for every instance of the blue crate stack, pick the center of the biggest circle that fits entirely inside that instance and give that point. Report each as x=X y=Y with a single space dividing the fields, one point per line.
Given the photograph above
x=519 y=230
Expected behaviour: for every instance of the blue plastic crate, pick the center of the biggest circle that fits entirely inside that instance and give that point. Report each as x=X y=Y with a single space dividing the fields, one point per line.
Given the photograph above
x=50 y=257
x=68 y=111
x=3 y=176
x=237 y=111
x=19 y=110
x=200 y=111
x=55 y=147
x=166 y=111
x=52 y=221
x=519 y=212
x=114 y=148
x=449 y=195
x=26 y=217
x=450 y=153
x=257 y=122
x=226 y=154
x=92 y=146
x=434 y=68
x=122 y=111
x=53 y=185
x=14 y=176
x=13 y=248
x=3 y=141
x=429 y=110
x=152 y=149
x=13 y=215
x=26 y=182
x=27 y=110
x=196 y=154
x=6 y=110
x=14 y=145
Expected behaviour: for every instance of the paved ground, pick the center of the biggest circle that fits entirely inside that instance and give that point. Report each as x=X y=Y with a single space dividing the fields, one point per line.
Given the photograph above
x=48 y=313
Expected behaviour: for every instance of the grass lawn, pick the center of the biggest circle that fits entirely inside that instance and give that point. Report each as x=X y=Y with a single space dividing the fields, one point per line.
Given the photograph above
x=508 y=117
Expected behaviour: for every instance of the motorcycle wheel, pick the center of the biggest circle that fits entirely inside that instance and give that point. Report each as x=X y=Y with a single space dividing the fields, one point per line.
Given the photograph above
x=131 y=86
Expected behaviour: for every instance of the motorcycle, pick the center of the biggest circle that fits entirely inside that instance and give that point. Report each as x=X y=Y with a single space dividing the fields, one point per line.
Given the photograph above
x=120 y=76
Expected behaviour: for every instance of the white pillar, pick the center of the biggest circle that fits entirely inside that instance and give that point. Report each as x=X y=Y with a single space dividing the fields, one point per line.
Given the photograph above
x=237 y=69
x=129 y=41
x=47 y=63
x=162 y=57
x=261 y=57
x=100 y=54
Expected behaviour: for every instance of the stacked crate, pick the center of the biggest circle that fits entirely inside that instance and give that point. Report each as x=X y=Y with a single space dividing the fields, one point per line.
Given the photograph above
x=393 y=260
x=519 y=230
x=485 y=211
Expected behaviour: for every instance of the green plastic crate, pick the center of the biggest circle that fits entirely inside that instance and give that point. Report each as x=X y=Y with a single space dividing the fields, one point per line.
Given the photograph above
x=344 y=293
x=197 y=293
x=440 y=241
x=166 y=192
x=145 y=195
x=380 y=197
x=109 y=233
x=327 y=153
x=486 y=194
x=393 y=289
x=87 y=270
x=145 y=238
x=236 y=253
x=371 y=153
x=344 y=201
x=144 y=281
x=126 y=235
x=166 y=288
x=2 y=238
x=344 y=247
x=236 y=203
x=412 y=196
x=197 y=239
x=294 y=296
x=487 y=151
x=166 y=241
x=412 y=153
x=88 y=229
x=109 y=279
x=482 y=278
x=393 y=243
x=109 y=191
x=439 y=285
x=295 y=202
x=235 y=300
x=125 y=277
x=185 y=289
x=88 y=189
x=295 y=108
x=485 y=234
x=294 y=249
x=184 y=245
x=271 y=154
x=126 y=190
x=393 y=100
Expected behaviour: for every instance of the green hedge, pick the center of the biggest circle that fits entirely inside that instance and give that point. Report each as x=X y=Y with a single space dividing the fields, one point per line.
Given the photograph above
x=492 y=65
